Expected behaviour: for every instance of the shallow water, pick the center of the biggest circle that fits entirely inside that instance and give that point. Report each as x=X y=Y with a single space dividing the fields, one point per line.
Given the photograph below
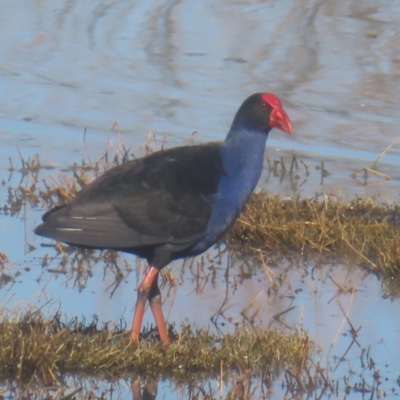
x=177 y=67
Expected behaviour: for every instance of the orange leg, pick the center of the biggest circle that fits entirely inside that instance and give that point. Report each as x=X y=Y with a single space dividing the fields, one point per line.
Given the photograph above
x=155 y=306
x=136 y=390
x=149 y=390
x=148 y=289
x=143 y=294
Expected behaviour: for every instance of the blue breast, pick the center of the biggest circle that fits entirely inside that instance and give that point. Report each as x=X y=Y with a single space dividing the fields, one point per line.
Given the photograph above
x=242 y=157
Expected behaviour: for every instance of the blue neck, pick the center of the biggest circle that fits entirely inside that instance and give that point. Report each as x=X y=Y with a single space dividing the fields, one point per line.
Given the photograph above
x=242 y=157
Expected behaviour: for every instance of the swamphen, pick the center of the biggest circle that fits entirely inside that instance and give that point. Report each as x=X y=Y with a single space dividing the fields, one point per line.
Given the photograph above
x=173 y=203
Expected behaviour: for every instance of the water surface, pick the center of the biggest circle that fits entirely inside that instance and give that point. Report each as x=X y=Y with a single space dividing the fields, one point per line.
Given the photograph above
x=175 y=68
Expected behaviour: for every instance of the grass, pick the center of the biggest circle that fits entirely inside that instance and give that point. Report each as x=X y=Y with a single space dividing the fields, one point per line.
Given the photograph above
x=362 y=230
x=33 y=348
x=32 y=345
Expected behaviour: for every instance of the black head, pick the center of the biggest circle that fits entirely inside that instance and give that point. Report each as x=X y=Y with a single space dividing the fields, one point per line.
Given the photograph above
x=262 y=112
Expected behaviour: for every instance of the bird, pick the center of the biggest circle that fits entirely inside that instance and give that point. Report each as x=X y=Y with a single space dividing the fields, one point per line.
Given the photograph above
x=171 y=204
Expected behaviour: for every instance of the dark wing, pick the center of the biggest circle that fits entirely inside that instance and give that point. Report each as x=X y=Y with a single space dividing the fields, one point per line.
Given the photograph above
x=166 y=197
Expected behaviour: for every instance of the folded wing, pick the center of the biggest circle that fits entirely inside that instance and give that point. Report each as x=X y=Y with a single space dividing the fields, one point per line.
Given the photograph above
x=164 y=198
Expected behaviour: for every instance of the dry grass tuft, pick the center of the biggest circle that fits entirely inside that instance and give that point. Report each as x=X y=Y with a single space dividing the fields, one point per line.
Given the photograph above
x=32 y=345
x=363 y=230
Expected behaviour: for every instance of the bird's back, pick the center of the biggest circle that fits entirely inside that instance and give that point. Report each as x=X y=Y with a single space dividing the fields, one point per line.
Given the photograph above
x=164 y=199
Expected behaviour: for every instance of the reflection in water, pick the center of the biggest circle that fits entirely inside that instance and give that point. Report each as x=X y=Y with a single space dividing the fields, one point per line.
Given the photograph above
x=332 y=302
x=183 y=66
x=147 y=392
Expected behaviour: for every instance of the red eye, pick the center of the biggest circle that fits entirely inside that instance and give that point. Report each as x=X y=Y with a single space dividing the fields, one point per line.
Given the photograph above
x=263 y=105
